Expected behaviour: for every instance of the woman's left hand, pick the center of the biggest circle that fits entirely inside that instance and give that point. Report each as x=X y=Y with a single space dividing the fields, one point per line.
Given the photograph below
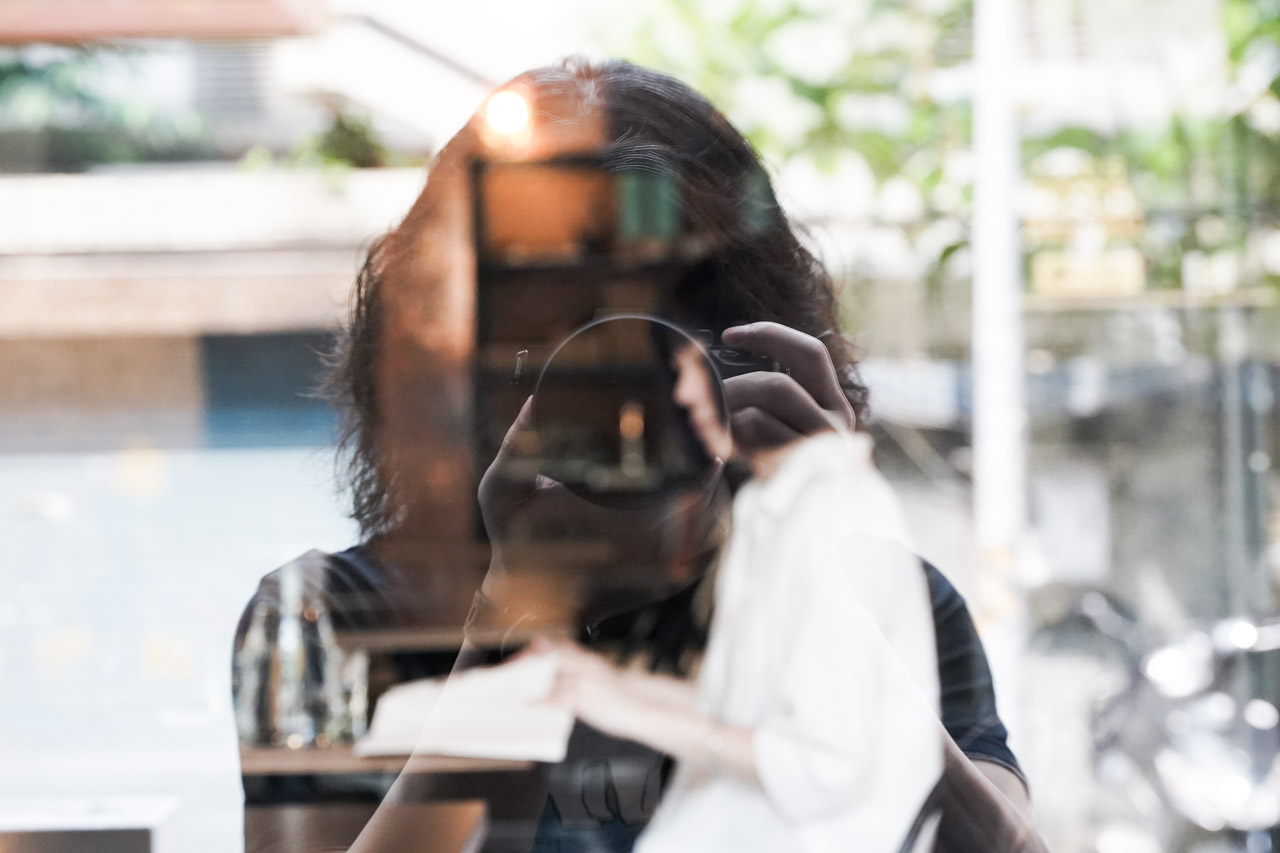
x=653 y=710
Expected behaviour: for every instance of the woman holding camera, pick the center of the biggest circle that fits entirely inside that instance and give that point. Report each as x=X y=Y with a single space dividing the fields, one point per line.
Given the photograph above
x=767 y=295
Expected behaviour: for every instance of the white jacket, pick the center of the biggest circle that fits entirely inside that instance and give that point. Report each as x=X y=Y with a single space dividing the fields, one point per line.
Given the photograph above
x=822 y=643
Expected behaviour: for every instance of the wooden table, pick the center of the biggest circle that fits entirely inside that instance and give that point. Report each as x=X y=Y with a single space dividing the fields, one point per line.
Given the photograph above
x=340 y=759
x=453 y=827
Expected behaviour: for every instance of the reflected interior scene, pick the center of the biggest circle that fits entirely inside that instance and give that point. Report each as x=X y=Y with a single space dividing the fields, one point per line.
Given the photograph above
x=558 y=427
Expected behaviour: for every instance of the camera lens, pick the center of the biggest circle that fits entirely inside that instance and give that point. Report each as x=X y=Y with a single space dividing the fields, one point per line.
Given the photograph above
x=609 y=426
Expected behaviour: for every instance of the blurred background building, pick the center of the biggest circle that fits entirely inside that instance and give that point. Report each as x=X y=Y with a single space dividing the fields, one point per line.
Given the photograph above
x=187 y=187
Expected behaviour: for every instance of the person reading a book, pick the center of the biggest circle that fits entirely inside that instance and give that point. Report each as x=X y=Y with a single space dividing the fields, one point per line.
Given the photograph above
x=812 y=724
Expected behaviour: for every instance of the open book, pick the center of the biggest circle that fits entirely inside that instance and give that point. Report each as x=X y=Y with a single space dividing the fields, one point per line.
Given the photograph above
x=488 y=712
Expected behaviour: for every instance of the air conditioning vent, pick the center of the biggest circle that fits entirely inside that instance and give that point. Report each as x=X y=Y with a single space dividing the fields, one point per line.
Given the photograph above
x=232 y=79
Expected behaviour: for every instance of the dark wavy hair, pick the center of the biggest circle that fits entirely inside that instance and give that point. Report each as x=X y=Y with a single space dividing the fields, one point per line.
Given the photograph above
x=406 y=294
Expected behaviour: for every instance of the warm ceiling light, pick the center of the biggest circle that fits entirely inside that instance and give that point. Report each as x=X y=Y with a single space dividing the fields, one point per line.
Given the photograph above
x=507 y=113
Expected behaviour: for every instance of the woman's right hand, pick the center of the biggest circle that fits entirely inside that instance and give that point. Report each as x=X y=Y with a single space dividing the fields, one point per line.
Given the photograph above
x=768 y=409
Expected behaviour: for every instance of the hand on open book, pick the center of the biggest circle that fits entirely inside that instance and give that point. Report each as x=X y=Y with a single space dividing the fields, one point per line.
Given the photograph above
x=595 y=690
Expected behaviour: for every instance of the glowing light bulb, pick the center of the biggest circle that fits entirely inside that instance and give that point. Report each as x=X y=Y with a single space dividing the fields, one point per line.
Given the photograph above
x=1261 y=714
x=631 y=429
x=507 y=113
x=1243 y=634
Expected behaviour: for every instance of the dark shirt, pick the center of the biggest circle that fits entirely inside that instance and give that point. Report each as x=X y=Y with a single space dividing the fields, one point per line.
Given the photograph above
x=968 y=695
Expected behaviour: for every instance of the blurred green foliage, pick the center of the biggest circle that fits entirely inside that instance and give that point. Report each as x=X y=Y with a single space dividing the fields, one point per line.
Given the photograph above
x=855 y=75
x=351 y=140
x=847 y=92
x=32 y=90
x=891 y=96
x=55 y=116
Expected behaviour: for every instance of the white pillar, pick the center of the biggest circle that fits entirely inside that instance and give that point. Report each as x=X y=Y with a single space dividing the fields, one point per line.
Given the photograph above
x=999 y=406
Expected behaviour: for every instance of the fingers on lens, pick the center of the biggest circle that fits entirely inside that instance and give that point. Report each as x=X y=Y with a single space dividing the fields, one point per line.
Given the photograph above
x=754 y=427
x=781 y=396
x=804 y=356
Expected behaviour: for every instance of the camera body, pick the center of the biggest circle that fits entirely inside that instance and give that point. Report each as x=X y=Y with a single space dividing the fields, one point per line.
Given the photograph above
x=730 y=362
